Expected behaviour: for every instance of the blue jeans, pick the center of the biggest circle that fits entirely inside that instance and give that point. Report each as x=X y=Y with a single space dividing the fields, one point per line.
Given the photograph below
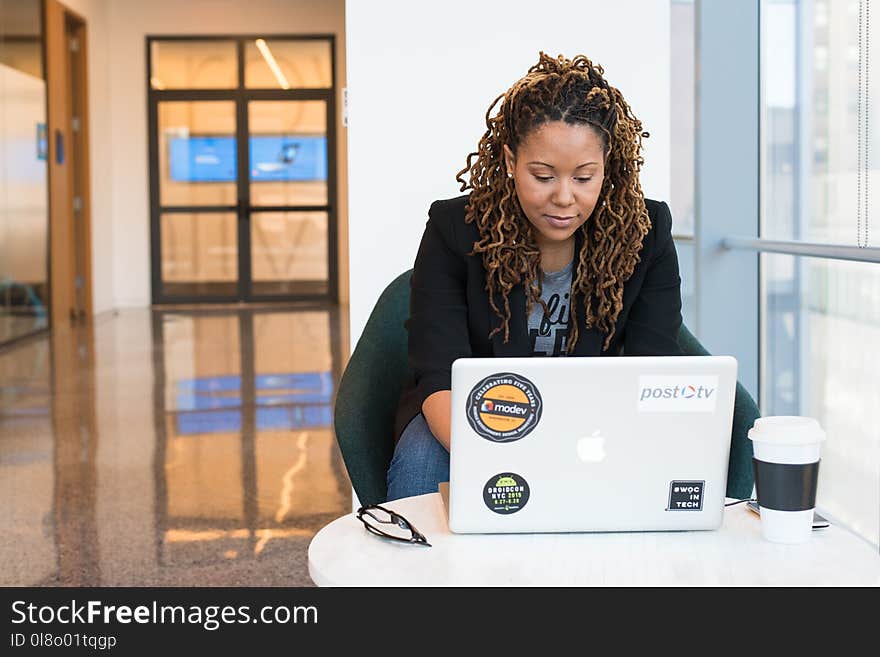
x=419 y=463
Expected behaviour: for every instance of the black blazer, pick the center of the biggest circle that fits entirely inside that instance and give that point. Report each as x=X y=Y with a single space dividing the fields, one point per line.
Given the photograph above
x=450 y=316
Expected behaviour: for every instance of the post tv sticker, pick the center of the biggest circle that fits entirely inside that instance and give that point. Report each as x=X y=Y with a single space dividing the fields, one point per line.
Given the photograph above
x=677 y=394
x=686 y=496
x=506 y=493
x=504 y=407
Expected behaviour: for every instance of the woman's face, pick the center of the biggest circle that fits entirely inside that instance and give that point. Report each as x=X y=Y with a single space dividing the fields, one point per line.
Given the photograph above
x=558 y=171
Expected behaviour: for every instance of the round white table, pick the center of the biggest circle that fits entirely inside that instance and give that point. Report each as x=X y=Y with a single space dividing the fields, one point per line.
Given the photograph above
x=343 y=553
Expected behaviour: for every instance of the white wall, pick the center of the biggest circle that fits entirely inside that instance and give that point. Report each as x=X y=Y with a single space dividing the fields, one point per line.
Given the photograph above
x=118 y=108
x=421 y=77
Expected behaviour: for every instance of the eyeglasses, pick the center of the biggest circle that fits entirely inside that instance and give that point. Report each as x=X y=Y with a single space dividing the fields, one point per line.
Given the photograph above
x=384 y=522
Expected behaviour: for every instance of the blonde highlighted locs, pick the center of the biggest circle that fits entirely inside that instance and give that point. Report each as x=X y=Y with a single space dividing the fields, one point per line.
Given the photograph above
x=575 y=92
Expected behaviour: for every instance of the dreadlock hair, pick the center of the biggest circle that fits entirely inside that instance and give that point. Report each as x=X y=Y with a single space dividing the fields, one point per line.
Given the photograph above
x=575 y=92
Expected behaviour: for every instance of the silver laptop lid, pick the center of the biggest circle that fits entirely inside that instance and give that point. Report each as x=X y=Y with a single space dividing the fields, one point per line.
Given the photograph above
x=590 y=444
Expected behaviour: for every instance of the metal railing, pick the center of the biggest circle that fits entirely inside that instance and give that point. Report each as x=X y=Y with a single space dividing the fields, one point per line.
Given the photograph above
x=832 y=251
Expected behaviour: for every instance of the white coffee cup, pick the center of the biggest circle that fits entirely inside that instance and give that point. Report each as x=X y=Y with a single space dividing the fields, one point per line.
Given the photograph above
x=786 y=463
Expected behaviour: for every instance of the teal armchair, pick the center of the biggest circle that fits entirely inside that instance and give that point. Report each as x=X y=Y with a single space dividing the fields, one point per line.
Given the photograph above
x=364 y=412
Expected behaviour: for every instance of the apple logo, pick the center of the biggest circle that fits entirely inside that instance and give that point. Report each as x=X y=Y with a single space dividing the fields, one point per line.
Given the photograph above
x=591 y=449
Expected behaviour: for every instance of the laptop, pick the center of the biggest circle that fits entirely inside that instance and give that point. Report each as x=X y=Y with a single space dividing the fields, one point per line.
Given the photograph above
x=633 y=443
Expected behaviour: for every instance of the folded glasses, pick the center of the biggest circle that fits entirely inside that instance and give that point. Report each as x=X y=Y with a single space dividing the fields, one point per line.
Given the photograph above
x=385 y=522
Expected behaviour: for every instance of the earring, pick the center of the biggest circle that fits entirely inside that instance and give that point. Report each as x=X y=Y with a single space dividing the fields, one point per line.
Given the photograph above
x=509 y=175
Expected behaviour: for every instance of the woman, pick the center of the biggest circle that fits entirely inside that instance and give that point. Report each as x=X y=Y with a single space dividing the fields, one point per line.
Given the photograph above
x=555 y=252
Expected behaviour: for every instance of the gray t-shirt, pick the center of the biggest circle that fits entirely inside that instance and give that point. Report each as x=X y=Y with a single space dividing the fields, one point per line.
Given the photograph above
x=548 y=335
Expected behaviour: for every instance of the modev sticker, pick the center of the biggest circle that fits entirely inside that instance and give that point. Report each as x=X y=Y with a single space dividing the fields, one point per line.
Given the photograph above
x=506 y=493
x=504 y=407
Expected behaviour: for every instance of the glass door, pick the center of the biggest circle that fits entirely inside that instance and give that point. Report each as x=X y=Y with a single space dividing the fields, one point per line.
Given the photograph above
x=242 y=164
x=288 y=200
x=198 y=218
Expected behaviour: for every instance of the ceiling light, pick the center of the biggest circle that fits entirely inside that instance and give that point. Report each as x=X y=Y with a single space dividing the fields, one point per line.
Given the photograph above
x=270 y=60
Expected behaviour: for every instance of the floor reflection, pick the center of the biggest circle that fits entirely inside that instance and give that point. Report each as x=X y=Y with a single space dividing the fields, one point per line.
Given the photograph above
x=171 y=448
x=27 y=479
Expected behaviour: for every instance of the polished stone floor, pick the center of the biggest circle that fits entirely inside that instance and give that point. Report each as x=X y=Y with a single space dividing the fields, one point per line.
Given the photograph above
x=171 y=448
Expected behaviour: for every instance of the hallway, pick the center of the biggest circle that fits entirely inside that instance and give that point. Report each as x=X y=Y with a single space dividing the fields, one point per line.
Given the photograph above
x=172 y=448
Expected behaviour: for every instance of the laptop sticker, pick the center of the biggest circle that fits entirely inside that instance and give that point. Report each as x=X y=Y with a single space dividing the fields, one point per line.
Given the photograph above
x=506 y=493
x=504 y=407
x=677 y=394
x=686 y=495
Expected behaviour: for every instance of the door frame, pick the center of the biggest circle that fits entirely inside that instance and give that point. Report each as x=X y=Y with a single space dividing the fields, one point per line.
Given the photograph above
x=68 y=146
x=243 y=210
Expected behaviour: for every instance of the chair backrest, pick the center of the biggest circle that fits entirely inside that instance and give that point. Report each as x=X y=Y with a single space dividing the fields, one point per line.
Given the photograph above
x=369 y=391
x=740 y=475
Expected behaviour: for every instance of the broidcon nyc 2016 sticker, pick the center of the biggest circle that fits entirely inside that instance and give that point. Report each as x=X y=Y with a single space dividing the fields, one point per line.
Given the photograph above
x=504 y=407
x=506 y=493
